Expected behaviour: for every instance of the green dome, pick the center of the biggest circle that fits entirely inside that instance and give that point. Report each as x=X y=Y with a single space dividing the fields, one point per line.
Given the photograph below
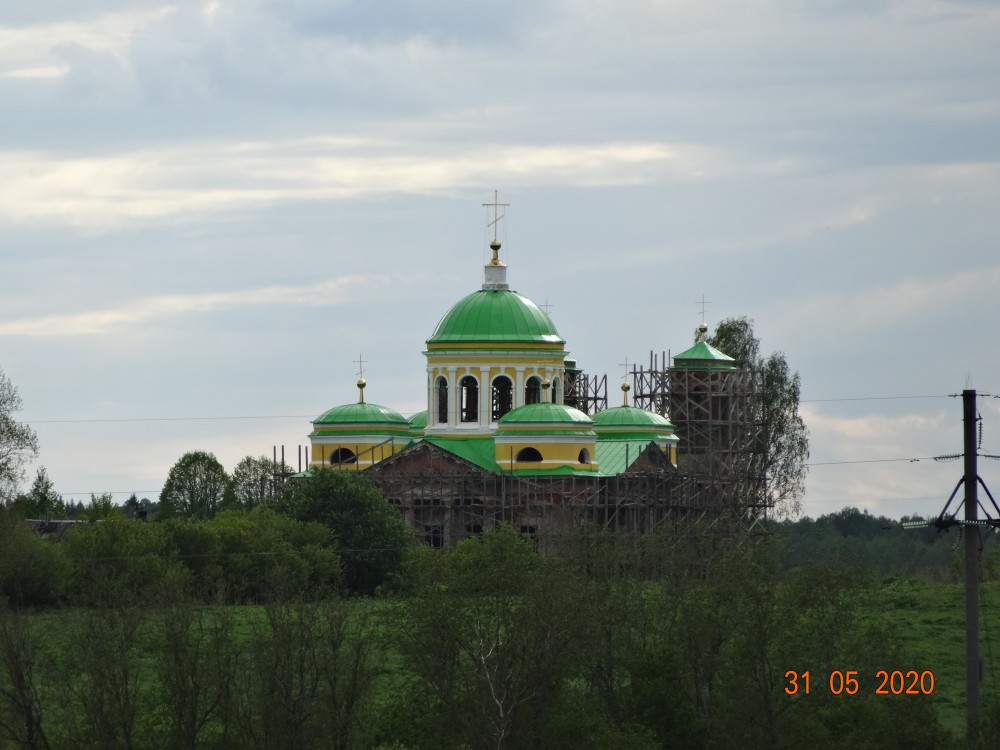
x=545 y=419
x=495 y=315
x=362 y=413
x=631 y=417
x=418 y=422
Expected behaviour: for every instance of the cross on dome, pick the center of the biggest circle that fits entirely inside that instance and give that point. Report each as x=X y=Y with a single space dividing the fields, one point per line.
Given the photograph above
x=495 y=276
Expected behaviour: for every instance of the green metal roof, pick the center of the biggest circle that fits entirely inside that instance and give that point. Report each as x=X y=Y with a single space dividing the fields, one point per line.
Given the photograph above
x=418 y=422
x=495 y=315
x=546 y=413
x=704 y=354
x=479 y=451
x=362 y=413
x=630 y=416
x=615 y=456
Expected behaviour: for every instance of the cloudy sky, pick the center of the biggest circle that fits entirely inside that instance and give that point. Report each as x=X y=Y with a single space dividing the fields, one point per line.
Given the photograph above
x=208 y=210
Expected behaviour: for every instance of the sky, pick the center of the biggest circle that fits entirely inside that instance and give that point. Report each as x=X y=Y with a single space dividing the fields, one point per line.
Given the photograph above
x=210 y=210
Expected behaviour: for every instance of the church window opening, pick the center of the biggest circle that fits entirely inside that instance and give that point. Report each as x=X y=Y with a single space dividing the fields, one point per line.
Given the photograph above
x=533 y=391
x=503 y=396
x=441 y=386
x=526 y=455
x=434 y=535
x=556 y=398
x=584 y=456
x=343 y=456
x=469 y=389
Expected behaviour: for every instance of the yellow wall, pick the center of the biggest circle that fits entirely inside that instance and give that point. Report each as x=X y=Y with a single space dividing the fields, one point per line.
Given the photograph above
x=553 y=454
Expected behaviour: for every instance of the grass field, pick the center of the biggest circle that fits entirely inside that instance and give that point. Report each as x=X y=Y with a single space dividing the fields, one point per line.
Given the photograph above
x=931 y=625
x=928 y=619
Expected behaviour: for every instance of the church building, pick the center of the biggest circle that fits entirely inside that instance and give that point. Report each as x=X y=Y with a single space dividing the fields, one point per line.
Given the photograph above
x=502 y=439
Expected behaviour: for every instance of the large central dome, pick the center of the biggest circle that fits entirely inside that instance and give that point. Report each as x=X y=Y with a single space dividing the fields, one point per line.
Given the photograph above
x=495 y=315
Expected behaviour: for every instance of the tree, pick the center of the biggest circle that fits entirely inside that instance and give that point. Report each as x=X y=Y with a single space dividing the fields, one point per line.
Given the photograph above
x=41 y=501
x=196 y=487
x=786 y=437
x=256 y=481
x=18 y=442
x=370 y=532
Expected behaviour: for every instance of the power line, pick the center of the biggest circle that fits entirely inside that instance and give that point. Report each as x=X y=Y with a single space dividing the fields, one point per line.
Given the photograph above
x=312 y=416
x=172 y=419
x=872 y=461
x=869 y=398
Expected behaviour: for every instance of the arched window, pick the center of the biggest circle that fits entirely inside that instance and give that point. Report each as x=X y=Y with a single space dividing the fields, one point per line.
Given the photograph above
x=528 y=455
x=441 y=386
x=343 y=456
x=503 y=396
x=584 y=457
x=556 y=396
x=469 y=389
x=533 y=390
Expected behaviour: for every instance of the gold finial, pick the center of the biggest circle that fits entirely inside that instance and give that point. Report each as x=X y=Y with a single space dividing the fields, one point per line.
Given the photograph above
x=546 y=384
x=495 y=247
x=625 y=389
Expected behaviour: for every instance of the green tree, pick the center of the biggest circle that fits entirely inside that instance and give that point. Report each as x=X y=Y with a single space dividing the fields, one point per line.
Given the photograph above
x=43 y=495
x=196 y=487
x=18 y=442
x=371 y=534
x=493 y=632
x=786 y=438
x=256 y=481
x=102 y=508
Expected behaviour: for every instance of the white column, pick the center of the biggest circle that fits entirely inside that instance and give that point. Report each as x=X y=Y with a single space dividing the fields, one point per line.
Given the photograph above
x=519 y=386
x=453 y=398
x=485 y=397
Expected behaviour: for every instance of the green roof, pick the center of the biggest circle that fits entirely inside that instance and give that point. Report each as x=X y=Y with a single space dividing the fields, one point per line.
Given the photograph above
x=545 y=419
x=480 y=451
x=630 y=416
x=704 y=354
x=545 y=413
x=418 y=422
x=362 y=413
x=495 y=315
x=615 y=456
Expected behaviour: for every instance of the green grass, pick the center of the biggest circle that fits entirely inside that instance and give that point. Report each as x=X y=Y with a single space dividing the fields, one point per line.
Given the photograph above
x=930 y=621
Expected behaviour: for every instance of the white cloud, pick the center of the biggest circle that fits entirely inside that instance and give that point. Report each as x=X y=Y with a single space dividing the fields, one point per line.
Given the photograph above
x=331 y=292
x=106 y=191
x=30 y=51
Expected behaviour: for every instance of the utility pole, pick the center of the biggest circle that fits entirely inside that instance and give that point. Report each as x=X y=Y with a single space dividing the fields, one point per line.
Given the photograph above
x=969 y=526
x=973 y=670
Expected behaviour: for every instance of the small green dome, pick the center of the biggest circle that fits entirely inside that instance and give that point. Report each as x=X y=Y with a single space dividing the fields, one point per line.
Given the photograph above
x=418 y=422
x=362 y=413
x=545 y=413
x=495 y=315
x=632 y=417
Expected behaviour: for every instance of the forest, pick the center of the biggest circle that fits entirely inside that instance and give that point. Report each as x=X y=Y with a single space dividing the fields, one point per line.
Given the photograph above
x=315 y=620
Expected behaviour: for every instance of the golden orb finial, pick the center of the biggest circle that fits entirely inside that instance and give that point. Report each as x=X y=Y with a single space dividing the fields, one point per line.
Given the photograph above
x=361 y=390
x=625 y=389
x=495 y=247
